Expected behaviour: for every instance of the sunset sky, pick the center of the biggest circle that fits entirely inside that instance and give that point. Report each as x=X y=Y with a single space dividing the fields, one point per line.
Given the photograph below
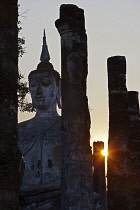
x=113 y=28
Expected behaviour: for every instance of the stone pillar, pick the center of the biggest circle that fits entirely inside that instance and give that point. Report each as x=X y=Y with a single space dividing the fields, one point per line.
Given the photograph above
x=99 y=183
x=76 y=150
x=9 y=154
x=133 y=104
x=119 y=156
x=99 y=167
x=134 y=146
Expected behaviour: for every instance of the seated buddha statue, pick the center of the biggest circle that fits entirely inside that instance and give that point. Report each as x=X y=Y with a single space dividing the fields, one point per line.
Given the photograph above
x=40 y=139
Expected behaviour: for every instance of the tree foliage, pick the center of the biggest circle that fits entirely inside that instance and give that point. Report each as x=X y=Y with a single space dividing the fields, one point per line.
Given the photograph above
x=23 y=89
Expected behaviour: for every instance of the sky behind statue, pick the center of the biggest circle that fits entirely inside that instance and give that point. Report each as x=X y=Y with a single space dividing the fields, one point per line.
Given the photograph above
x=113 y=28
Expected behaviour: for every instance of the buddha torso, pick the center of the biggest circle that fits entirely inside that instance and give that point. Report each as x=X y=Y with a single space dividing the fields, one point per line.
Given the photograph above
x=40 y=145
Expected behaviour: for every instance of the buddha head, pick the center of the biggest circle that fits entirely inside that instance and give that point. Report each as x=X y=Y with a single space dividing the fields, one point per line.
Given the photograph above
x=44 y=83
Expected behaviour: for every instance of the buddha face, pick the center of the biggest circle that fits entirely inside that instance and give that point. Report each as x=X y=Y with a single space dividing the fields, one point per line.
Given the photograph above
x=43 y=90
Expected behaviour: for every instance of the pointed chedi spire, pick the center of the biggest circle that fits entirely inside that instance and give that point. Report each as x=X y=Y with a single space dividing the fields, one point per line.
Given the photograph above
x=45 y=65
x=45 y=56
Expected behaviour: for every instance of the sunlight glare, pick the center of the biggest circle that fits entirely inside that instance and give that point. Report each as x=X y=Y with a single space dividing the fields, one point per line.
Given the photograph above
x=104 y=152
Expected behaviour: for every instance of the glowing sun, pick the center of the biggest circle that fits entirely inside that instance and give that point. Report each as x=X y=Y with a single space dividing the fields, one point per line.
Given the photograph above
x=104 y=152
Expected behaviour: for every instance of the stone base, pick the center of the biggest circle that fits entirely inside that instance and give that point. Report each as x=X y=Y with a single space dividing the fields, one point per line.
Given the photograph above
x=44 y=201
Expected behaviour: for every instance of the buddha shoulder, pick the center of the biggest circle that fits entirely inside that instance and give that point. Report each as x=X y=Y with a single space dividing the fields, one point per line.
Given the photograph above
x=25 y=125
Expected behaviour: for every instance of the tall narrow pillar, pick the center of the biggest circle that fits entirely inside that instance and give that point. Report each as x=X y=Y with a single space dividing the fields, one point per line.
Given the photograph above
x=9 y=153
x=119 y=155
x=134 y=145
x=76 y=150
x=99 y=182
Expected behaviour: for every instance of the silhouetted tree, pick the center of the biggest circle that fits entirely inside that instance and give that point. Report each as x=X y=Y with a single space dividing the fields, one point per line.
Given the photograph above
x=23 y=89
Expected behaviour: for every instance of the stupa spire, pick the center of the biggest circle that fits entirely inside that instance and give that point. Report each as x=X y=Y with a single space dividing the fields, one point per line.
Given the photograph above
x=45 y=56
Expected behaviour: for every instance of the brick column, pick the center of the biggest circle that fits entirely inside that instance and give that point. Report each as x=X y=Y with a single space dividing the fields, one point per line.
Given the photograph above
x=99 y=181
x=9 y=153
x=76 y=150
x=119 y=155
x=134 y=146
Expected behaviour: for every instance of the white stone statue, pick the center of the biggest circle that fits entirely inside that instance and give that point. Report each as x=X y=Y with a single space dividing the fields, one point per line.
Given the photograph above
x=40 y=137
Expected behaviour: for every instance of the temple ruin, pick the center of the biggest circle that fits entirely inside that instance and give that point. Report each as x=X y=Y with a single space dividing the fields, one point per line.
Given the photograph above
x=123 y=165
x=134 y=146
x=76 y=151
x=9 y=152
x=99 y=179
x=81 y=188
x=60 y=171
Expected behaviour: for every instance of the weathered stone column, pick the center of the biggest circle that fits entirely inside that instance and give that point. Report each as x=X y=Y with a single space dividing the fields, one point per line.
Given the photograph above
x=134 y=146
x=76 y=150
x=99 y=181
x=9 y=154
x=133 y=104
x=119 y=156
